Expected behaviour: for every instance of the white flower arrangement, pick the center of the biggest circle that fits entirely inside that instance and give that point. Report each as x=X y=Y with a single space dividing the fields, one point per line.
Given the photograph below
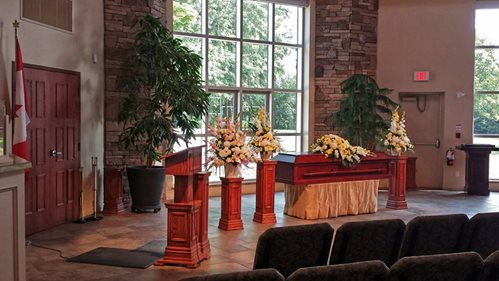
x=228 y=145
x=336 y=147
x=263 y=140
x=396 y=139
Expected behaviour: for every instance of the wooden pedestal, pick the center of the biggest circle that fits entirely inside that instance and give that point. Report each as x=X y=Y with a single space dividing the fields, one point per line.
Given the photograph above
x=182 y=245
x=231 y=204
x=201 y=194
x=265 y=192
x=113 y=191
x=396 y=193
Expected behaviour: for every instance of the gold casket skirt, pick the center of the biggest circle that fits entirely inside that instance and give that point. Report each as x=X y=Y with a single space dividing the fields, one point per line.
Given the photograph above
x=329 y=200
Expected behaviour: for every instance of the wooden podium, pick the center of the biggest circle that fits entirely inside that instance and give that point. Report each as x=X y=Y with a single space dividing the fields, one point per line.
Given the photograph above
x=187 y=233
x=477 y=167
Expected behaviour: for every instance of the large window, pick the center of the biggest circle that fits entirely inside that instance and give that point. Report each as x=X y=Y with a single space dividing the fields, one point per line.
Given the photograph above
x=253 y=56
x=486 y=106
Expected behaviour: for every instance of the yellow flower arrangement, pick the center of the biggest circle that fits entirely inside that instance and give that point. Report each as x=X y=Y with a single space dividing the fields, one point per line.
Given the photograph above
x=396 y=139
x=263 y=140
x=228 y=145
x=333 y=146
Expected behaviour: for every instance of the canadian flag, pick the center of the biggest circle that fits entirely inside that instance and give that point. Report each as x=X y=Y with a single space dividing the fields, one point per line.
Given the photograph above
x=21 y=118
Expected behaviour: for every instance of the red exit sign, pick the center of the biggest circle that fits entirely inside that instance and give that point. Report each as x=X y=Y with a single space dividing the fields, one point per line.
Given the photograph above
x=421 y=75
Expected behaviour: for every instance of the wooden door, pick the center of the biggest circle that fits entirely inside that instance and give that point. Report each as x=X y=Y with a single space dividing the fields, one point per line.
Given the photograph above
x=52 y=186
x=424 y=128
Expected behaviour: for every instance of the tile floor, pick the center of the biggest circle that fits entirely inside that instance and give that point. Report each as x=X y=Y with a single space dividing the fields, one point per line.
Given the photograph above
x=231 y=251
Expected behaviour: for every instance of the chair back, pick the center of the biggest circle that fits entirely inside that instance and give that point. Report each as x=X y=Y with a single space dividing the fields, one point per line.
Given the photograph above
x=490 y=271
x=365 y=271
x=288 y=248
x=430 y=235
x=253 y=275
x=445 y=267
x=481 y=234
x=368 y=240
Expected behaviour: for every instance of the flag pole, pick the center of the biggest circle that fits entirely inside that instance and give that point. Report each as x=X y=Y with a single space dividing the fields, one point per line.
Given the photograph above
x=20 y=107
x=15 y=24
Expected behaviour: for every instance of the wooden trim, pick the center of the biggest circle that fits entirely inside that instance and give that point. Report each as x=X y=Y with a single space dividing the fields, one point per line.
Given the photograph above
x=52 y=69
x=15 y=228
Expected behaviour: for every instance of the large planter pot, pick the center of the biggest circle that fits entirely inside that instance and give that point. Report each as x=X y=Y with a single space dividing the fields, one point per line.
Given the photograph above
x=146 y=186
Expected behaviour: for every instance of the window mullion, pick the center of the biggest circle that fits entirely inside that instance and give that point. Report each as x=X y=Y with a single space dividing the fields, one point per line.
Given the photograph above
x=240 y=44
x=204 y=29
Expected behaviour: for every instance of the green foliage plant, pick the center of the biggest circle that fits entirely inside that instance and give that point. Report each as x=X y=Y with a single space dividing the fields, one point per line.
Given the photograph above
x=360 y=118
x=165 y=98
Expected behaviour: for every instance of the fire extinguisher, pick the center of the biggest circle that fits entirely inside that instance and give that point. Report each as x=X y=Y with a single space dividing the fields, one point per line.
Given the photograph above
x=450 y=157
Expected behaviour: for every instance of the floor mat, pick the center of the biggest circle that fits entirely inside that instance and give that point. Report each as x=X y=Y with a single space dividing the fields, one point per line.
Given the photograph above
x=142 y=257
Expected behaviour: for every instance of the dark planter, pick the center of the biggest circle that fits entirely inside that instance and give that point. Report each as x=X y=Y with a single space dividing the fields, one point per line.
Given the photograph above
x=146 y=185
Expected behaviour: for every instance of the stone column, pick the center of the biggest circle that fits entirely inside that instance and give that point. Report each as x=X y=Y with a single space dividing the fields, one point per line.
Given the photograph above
x=345 y=44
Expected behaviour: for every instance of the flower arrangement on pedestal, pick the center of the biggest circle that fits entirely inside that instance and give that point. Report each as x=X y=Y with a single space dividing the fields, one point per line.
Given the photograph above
x=333 y=146
x=396 y=139
x=263 y=140
x=229 y=147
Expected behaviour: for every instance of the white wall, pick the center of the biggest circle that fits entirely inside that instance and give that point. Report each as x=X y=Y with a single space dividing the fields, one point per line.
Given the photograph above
x=45 y=46
x=434 y=35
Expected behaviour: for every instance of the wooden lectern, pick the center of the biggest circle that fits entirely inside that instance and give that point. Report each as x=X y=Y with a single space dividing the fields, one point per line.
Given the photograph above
x=187 y=233
x=477 y=167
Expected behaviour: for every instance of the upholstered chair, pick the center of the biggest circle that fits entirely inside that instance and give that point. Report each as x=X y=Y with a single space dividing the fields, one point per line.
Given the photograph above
x=368 y=240
x=445 y=267
x=253 y=275
x=357 y=271
x=288 y=248
x=490 y=271
x=481 y=234
x=429 y=235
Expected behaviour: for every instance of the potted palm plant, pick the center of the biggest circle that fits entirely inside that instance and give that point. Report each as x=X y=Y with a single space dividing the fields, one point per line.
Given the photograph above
x=360 y=117
x=165 y=103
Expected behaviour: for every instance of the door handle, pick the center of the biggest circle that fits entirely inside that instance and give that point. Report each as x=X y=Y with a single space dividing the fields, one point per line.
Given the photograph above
x=436 y=143
x=55 y=153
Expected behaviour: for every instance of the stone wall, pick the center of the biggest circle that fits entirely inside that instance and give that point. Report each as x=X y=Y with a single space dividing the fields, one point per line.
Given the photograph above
x=345 y=45
x=120 y=27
